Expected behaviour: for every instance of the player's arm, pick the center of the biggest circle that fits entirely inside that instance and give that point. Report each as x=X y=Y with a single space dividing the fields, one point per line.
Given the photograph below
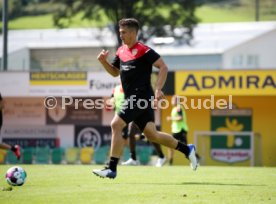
x=178 y=117
x=161 y=79
x=112 y=70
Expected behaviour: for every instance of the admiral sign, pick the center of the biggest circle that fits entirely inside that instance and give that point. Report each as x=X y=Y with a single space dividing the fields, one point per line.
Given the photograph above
x=241 y=82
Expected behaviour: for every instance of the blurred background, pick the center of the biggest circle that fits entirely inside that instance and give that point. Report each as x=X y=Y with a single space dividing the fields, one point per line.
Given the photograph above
x=212 y=47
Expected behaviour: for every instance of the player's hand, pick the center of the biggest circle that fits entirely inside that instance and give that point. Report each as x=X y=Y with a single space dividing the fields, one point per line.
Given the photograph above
x=159 y=94
x=103 y=55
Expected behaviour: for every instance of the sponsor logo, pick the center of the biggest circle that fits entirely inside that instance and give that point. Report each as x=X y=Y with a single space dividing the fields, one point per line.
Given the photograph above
x=89 y=137
x=232 y=82
x=134 y=51
x=230 y=156
x=100 y=85
x=57 y=114
x=226 y=83
x=231 y=148
x=58 y=78
x=127 y=67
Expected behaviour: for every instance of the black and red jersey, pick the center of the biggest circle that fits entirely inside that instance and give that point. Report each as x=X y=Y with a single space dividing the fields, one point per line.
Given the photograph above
x=135 y=66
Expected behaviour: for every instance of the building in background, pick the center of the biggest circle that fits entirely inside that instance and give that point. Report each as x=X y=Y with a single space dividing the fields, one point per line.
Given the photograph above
x=54 y=49
x=215 y=46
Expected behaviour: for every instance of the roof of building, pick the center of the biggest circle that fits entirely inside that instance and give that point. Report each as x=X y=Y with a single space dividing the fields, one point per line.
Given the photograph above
x=59 y=38
x=218 y=37
x=211 y=38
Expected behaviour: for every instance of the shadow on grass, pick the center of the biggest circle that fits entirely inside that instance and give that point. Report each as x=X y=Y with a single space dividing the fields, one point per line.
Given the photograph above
x=218 y=184
x=192 y=183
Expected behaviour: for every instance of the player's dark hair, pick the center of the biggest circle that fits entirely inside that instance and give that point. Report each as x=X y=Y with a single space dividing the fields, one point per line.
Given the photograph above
x=130 y=23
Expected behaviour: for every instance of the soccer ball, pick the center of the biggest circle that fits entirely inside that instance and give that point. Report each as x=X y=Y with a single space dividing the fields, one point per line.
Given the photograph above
x=16 y=176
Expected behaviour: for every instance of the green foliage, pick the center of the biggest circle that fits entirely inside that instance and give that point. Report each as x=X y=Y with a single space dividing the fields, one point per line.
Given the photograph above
x=14 y=8
x=33 y=9
x=244 y=12
x=46 y=21
x=152 y=13
x=24 y=8
x=54 y=184
x=206 y=14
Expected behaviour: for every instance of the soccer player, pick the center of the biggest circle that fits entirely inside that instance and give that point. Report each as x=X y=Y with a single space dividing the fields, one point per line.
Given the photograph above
x=14 y=148
x=133 y=62
x=131 y=130
x=179 y=126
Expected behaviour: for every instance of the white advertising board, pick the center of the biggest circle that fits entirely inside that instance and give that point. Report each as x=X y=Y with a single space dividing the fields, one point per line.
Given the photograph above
x=57 y=84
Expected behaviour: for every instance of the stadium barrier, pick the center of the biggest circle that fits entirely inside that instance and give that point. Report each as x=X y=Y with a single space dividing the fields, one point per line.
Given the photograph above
x=71 y=155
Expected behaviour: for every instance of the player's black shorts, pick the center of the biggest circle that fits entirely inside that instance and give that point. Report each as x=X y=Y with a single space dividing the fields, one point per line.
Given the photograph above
x=181 y=136
x=137 y=108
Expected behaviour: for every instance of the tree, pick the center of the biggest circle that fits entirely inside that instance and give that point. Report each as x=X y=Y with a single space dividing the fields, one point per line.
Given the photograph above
x=159 y=17
x=14 y=8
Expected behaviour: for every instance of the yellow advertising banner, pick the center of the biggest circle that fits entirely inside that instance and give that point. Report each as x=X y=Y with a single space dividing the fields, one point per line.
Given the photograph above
x=58 y=78
x=228 y=82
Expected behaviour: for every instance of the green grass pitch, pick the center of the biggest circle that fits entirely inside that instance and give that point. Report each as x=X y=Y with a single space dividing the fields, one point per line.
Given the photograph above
x=143 y=184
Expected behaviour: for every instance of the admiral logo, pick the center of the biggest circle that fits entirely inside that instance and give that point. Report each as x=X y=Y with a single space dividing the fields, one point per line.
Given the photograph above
x=226 y=83
x=209 y=82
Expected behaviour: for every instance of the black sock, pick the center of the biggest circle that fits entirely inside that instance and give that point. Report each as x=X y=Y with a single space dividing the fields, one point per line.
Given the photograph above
x=113 y=163
x=161 y=155
x=183 y=148
x=158 y=150
x=13 y=148
x=133 y=155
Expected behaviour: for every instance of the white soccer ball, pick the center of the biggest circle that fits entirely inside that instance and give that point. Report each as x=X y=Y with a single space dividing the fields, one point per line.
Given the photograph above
x=16 y=176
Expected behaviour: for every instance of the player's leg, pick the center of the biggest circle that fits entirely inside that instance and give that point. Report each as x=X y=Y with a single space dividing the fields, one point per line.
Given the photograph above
x=125 y=136
x=117 y=144
x=170 y=155
x=159 y=137
x=14 y=148
x=180 y=137
x=117 y=141
x=165 y=139
x=132 y=131
x=5 y=146
x=127 y=114
x=161 y=157
x=184 y=136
